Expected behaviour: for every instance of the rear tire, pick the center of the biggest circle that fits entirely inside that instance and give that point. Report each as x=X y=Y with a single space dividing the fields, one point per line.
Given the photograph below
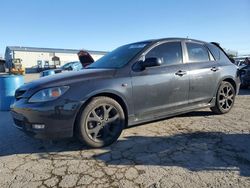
x=101 y=122
x=224 y=99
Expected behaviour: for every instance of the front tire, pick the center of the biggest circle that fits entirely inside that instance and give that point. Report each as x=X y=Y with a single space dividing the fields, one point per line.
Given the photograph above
x=101 y=122
x=224 y=99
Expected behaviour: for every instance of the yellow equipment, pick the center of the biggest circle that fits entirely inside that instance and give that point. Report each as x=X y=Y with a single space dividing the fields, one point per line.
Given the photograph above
x=17 y=67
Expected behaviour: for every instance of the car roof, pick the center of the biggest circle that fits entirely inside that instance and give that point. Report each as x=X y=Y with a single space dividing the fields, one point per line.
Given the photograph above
x=171 y=39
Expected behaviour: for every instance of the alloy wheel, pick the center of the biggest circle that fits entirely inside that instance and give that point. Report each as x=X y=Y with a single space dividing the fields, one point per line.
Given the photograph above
x=226 y=97
x=102 y=122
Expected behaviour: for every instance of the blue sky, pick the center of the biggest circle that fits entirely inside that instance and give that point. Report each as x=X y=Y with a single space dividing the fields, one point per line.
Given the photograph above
x=105 y=25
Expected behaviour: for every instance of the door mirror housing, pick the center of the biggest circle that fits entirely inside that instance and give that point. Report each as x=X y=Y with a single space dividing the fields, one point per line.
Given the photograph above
x=151 y=62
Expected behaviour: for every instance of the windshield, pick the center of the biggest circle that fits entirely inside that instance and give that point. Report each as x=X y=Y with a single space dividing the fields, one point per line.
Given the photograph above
x=119 y=57
x=66 y=65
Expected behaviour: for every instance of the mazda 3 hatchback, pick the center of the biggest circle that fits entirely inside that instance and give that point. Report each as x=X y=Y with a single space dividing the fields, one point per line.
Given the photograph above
x=134 y=84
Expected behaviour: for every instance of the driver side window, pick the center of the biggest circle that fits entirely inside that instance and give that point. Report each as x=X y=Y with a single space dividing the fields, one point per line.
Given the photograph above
x=170 y=53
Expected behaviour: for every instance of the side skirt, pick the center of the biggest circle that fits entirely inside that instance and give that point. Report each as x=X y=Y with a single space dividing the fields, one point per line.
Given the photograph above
x=134 y=120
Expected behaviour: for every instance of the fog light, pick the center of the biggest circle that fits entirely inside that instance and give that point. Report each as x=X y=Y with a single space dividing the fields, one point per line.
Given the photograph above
x=38 y=126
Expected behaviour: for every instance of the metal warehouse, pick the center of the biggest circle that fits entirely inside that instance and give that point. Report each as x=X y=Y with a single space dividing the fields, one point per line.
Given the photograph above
x=30 y=57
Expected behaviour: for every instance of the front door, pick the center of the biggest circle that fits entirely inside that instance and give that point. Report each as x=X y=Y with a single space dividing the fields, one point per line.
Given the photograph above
x=163 y=89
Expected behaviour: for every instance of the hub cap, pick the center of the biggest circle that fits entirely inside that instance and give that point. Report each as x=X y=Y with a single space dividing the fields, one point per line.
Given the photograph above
x=102 y=123
x=226 y=97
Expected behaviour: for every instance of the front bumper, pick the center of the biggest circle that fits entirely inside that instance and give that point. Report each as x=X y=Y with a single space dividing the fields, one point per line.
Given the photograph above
x=58 y=117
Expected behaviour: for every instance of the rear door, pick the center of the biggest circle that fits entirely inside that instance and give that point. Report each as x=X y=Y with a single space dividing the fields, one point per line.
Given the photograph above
x=203 y=71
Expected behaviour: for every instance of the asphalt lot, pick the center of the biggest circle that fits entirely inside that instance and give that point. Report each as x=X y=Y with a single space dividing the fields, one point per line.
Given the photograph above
x=198 y=149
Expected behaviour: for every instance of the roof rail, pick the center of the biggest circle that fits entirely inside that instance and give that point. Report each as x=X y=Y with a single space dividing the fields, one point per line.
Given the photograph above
x=215 y=43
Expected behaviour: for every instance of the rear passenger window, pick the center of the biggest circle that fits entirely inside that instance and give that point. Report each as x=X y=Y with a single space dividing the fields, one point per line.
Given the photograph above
x=197 y=52
x=170 y=53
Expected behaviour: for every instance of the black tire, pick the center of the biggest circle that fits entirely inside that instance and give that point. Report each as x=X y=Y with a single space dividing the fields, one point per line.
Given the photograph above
x=225 y=98
x=101 y=122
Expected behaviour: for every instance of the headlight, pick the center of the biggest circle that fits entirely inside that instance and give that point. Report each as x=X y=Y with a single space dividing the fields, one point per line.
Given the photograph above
x=48 y=94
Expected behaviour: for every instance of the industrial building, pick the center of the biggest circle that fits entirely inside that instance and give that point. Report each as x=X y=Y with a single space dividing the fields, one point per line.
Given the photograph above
x=32 y=57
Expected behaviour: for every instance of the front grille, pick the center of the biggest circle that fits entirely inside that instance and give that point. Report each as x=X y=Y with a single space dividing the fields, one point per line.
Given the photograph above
x=19 y=94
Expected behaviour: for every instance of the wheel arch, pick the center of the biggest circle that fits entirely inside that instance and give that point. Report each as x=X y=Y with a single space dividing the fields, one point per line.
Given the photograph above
x=227 y=79
x=216 y=108
x=231 y=81
x=111 y=95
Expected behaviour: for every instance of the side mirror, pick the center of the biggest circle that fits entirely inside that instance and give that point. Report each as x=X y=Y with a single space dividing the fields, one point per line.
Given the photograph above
x=151 y=62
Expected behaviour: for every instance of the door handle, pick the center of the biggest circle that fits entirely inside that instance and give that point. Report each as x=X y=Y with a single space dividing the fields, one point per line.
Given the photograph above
x=180 y=73
x=214 y=69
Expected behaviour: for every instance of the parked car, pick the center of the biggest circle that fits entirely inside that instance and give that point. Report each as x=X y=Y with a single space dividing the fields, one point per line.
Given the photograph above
x=85 y=60
x=50 y=72
x=134 y=84
x=71 y=66
x=241 y=63
x=245 y=76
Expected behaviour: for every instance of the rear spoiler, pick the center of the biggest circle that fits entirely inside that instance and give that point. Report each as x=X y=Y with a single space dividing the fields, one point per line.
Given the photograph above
x=218 y=45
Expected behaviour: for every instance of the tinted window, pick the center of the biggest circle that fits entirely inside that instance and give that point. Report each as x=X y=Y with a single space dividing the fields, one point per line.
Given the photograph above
x=223 y=56
x=119 y=57
x=214 y=50
x=197 y=52
x=169 y=53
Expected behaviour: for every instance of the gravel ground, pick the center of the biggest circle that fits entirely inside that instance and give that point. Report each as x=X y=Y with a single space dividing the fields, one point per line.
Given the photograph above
x=198 y=149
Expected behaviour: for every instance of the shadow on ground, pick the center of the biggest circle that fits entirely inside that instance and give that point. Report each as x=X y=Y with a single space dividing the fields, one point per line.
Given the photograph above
x=195 y=151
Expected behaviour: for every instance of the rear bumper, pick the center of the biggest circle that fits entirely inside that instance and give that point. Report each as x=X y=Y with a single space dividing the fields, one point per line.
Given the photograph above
x=245 y=81
x=245 y=77
x=58 y=118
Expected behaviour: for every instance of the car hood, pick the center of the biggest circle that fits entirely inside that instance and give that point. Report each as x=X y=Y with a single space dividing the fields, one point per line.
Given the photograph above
x=65 y=78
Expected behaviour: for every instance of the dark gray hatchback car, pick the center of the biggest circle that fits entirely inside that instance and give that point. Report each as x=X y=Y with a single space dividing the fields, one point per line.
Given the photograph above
x=133 y=84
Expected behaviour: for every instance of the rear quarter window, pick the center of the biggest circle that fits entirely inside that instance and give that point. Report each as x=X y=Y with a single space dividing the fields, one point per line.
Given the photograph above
x=215 y=51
